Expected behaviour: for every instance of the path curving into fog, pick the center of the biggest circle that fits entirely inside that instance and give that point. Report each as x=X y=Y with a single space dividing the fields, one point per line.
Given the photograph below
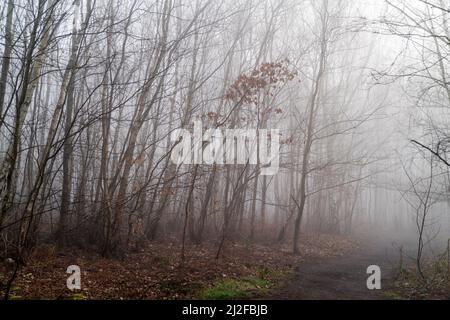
x=341 y=278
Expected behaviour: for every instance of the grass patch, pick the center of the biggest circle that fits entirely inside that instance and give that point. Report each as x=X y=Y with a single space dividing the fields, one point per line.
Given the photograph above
x=76 y=296
x=235 y=289
x=14 y=294
x=394 y=295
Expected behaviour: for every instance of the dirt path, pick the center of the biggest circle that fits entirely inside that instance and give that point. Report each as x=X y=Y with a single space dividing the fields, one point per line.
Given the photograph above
x=341 y=278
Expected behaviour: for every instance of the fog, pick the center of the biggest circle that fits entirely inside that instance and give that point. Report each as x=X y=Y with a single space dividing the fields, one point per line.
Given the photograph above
x=92 y=93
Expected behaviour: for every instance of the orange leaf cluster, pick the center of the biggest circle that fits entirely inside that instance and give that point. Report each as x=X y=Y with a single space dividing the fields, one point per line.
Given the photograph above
x=267 y=76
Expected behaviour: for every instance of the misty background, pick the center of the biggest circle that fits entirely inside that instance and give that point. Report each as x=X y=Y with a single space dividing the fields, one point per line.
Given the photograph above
x=92 y=89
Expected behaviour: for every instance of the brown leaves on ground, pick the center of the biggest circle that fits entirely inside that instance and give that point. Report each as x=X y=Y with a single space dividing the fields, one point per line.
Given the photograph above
x=434 y=286
x=156 y=273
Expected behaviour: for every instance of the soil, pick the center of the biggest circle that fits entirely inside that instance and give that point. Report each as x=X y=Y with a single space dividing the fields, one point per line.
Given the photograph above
x=341 y=277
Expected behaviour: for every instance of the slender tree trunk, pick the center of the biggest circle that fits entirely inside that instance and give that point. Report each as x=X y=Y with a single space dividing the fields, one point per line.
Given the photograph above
x=6 y=55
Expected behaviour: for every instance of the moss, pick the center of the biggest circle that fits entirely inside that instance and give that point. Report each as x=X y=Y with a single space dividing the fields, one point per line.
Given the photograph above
x=14 y=294
x=394 y=295
x=76 y=296
x=235 y=289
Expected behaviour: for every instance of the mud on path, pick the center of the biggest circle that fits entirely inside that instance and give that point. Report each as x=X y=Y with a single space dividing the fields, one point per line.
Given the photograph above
x=341 y=278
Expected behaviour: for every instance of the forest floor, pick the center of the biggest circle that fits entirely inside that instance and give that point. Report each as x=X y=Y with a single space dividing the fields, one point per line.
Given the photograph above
x=328 y=268
x=244 y=271
x=342 y=277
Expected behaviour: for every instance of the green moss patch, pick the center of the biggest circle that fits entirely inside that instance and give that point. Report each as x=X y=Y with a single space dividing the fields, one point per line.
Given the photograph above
x=235 y=289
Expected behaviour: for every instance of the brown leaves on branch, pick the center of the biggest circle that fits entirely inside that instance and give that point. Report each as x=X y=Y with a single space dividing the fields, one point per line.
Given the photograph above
x=265 y=79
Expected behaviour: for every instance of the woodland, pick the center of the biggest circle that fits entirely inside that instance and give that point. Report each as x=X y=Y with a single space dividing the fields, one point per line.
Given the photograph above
x=93 y=91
